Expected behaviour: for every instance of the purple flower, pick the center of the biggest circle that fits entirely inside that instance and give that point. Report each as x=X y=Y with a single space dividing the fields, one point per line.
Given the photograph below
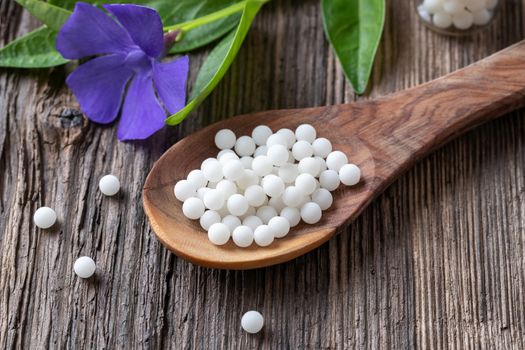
x=128 y=52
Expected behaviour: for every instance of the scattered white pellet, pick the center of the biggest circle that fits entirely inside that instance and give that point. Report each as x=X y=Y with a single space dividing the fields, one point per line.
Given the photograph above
x=84 y=267
x=252 y=322
x=44 y=217
x=263 y=187
x=109 y=185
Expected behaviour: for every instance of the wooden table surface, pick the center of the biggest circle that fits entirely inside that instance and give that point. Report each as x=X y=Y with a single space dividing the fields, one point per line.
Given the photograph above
x=437 y=261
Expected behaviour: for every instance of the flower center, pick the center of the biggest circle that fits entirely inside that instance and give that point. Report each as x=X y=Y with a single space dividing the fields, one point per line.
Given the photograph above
x=138 y=61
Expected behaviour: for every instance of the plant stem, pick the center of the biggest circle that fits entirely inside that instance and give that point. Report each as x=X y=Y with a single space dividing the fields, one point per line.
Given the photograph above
x=212 y=17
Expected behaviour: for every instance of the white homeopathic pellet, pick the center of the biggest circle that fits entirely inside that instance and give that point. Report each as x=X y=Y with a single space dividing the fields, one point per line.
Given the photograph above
x=276 y=139
x=184 y=189
x=306 y=183
x=237 y=204
x=309 y=165
x=225 y=139
x=263 y=235
x=231 y=221
x=252 y=221
x=219 y=233
x=306 y=132
x=302 y=149
x=44 y=217
x=252 y=322
x=245 y=146
x=212 y=170
x=243 y=236
x=311 y=213
x=209 y=218
x=293 y=215
x=278 y=155
x=279 y=225
x=273 y=185
x=322 y=147
x=323 y=198
x=227 y=188
x=109 y=185
x=293 y=196
x=193 y=208
x=265 y=213
x=197 y=178
x=262 y=165
x=260 y=134
x=213 y=199
x=329 y=179
x=255 y=195
x=84 y=267
x=233 y=169
x=336 y=160
x=247 y=179
x=290 y=136
x=350 y=174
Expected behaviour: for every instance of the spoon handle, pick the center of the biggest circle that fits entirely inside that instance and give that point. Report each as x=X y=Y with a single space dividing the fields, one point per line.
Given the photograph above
x=411 y=123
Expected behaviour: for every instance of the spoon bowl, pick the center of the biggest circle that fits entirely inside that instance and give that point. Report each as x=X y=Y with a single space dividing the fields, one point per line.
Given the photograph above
x=384 y=137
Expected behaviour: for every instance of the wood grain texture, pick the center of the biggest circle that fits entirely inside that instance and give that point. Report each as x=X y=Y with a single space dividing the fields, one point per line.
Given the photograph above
x=437 y=261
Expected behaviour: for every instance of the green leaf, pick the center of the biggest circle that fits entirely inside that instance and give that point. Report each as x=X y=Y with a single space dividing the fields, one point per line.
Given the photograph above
x=354 y=29
x=218 y=62
x=33 y=50
x=52 y=16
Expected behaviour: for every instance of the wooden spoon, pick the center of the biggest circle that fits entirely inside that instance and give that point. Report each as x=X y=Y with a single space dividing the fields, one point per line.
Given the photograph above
x=384 y=137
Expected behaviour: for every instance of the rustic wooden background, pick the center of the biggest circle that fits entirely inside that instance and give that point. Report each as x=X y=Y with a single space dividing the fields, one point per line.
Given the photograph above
x=437 y=261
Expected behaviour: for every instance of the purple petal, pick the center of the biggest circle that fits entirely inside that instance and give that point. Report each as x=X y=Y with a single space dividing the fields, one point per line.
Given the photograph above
x=142 y=115
x=89 y=31
x=170 y=82
x=99 y=85
x=143 y=25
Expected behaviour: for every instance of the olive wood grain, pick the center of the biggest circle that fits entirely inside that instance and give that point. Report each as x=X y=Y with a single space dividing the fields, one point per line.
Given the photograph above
x=384 y=137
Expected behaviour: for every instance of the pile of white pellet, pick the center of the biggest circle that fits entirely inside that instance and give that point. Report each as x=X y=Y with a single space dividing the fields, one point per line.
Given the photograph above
x=462 y=14
x=259 y=187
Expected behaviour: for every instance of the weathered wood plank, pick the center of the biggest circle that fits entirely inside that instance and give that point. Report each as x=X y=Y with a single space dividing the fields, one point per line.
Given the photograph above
x=437 y=261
